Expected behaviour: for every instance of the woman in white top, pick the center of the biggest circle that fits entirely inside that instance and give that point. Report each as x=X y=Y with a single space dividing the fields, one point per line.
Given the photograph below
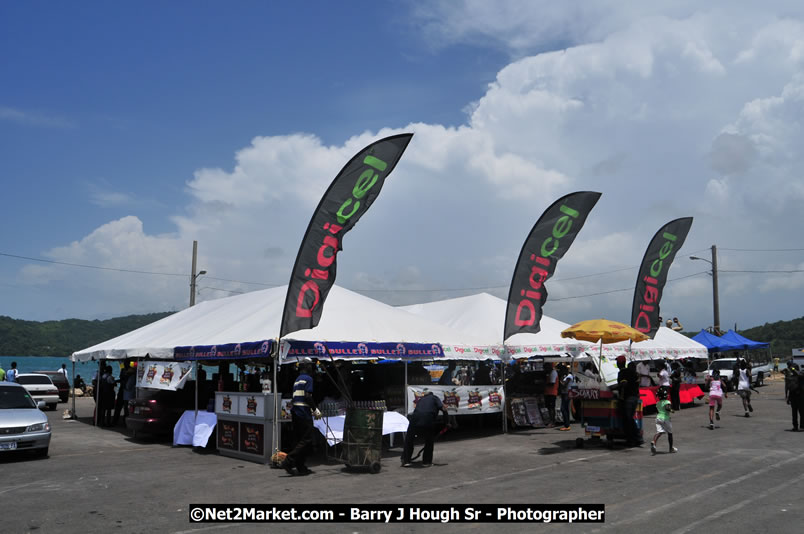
x=744 y=387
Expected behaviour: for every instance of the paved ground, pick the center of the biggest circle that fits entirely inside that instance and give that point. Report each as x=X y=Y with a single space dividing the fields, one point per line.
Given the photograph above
x=745 y=476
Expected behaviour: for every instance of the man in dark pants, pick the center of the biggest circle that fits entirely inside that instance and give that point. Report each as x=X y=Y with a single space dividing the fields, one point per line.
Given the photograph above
x=302 y=419
x=675 y=386
x=423 y=423
x=792 y=392
x=628 y=391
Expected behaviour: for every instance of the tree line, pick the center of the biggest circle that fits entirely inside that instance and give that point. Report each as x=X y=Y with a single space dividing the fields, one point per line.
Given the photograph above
x=62 y=338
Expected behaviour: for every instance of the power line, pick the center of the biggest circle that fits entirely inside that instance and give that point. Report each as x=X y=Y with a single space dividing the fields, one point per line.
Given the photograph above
x=89 y=266
x=623 y=289
x=758 y=271
x=764 y=249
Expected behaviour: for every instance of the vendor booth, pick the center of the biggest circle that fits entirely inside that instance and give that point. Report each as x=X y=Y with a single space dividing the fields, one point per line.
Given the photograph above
x=201 y=332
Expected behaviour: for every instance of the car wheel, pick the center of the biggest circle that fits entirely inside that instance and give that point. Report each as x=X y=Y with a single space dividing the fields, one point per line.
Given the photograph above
x=42 y=453
x=51 y=407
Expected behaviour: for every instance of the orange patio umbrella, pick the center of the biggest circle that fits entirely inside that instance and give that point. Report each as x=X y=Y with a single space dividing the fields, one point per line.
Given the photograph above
x=603 y=330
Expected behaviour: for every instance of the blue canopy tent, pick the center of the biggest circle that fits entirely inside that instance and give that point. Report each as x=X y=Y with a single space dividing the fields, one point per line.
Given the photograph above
x=745 y=344
x=715 y=343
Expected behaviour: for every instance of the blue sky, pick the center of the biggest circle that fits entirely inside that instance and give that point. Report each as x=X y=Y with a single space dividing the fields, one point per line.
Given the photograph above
x=127 y=130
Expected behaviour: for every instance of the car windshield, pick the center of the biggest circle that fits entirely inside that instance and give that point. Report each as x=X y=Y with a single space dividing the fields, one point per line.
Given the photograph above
x=722 y=365
x=14 y=397
x=33 y=379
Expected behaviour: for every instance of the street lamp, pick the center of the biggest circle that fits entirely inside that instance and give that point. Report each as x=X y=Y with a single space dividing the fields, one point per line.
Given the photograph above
x=193 y=276
x=193 y=279
x=715 y=300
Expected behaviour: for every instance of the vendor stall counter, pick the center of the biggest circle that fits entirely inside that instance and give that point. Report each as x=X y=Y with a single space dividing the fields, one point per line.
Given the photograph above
x=245 y=425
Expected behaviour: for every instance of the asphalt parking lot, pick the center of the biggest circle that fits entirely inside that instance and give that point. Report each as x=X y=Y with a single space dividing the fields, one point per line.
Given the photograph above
x=745 y=476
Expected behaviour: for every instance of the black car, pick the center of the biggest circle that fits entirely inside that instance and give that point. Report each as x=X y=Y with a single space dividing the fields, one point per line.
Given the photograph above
x=157 y=411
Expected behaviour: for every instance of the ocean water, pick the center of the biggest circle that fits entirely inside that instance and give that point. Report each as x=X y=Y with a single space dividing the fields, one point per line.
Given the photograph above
x=29 y=364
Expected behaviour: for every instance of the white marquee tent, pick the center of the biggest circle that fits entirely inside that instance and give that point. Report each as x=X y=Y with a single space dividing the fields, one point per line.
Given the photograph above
x=256 y=316
x=483 y=315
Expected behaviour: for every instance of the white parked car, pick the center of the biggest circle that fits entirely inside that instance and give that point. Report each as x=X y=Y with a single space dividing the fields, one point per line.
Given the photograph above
x=41 y=388
x=23 y=426
x=760 y=369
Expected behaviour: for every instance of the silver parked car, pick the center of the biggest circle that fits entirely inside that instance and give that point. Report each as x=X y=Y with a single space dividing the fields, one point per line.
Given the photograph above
x=23 y=426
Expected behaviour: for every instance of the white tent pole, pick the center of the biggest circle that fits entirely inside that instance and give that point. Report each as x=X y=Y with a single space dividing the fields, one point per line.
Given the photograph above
x=74 y=416
x=195 y=421
x=503 y=365
x=97 y=393
x=277 y=401
x=406 y=388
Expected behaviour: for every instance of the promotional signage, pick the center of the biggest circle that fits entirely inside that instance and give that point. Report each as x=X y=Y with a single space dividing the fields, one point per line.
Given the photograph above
x=653 y=274
x=229 y=351
x=253 y=438
x=349 y=196
x=547 y=243
x=228 y=434
x=162 y=375
x=301 y=349
x=461 y=400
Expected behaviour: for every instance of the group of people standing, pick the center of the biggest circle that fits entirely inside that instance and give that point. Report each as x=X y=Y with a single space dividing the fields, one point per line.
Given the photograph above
x=112 y=402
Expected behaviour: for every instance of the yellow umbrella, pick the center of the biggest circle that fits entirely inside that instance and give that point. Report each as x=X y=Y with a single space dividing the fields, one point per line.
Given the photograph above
x=603 y=330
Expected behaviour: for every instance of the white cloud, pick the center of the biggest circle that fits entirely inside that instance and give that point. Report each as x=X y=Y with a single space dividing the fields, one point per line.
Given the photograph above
x=669 y=111
x=34 y=118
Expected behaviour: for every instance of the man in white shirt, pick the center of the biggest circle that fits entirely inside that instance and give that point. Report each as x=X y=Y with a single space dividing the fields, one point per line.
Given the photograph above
x=63 y=370
x=664 y=378
x=643 y=370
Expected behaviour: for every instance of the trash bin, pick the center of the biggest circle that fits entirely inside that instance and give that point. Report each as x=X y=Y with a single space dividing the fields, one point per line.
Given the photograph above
x=362 y=439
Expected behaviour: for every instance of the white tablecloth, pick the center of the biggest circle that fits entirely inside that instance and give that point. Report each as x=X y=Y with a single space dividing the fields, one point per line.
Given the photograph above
x=187 y=433
x=332 y=427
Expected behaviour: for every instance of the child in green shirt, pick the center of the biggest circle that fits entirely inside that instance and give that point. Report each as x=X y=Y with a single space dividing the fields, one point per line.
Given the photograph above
x=663 y=424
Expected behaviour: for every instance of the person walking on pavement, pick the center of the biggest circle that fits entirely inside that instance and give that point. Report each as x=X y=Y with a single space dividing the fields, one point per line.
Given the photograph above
x=423 y=422
x=628 y=391
x=717 y=390
x=663 y=424
x=550 y=392
x=793 y=394
x=566 y=383
x=744 y=387
x=302 y=412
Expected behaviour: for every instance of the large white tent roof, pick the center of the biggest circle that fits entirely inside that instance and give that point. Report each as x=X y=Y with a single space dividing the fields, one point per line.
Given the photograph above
x=666 y=344
x=256 y=316
x=483 y=315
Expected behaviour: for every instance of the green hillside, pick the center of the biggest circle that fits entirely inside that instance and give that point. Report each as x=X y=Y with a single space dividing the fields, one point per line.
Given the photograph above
x=784 y=336
x=61 y=338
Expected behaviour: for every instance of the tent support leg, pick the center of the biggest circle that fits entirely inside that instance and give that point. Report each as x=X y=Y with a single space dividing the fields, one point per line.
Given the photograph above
x=74 y=416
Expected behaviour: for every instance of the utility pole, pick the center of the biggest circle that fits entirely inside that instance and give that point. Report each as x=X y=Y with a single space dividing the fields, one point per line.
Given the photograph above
x=193 y=275
x=193 y=278
x=715 y=300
